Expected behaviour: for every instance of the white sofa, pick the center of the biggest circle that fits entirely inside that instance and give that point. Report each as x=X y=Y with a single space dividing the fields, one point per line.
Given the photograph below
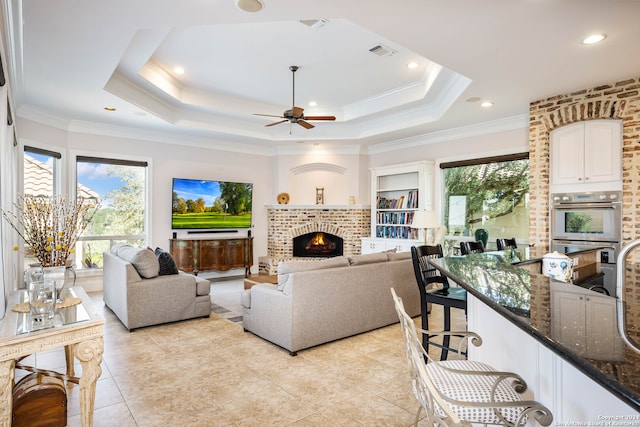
x=316 y=302
x=140 y=296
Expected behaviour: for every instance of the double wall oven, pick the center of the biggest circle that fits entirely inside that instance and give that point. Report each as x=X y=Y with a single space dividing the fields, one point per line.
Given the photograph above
x=587 y=220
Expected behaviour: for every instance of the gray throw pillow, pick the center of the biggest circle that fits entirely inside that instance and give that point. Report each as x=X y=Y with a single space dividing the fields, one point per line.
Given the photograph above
x=142 y=259
x=167 y=263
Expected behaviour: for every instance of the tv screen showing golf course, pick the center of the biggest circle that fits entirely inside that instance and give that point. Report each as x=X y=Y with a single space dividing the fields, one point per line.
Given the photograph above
x=208 y=205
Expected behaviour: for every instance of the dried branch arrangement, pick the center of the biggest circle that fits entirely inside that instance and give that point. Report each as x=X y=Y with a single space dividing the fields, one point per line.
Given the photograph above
x=51 y=226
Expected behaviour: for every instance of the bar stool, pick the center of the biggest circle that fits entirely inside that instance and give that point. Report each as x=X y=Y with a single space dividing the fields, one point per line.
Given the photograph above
x=448 y=297
x=504 y=244
x=467 y=248
x=462 y=392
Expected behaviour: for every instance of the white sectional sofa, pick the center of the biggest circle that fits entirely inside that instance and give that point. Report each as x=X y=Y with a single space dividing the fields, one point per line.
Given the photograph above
x=316 y=302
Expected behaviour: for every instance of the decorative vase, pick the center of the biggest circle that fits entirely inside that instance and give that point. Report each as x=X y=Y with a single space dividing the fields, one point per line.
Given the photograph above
x=57 y=275
x=42 y=300
x=482 y=235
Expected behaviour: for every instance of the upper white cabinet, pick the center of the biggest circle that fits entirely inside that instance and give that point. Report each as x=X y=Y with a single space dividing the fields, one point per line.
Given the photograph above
x=396 y=193
x=586 y=156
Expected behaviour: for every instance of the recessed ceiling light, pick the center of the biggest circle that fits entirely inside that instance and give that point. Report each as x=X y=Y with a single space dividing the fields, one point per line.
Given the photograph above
x=474 y=99
x=250 y=5
x=487 y=104
x=412 y=65
x=594 y=38
x=110 y=108
x=313 y=104
x=178 y=70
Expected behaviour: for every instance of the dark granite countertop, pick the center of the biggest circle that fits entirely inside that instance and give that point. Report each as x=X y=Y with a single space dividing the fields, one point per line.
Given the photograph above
x=527 y=299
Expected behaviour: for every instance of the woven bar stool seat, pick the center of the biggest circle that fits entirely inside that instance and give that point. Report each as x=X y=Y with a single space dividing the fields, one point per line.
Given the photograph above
x=464 y=392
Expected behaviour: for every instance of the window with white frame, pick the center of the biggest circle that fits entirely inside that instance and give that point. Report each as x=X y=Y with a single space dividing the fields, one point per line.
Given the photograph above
x=119 y=186
x=40 y=172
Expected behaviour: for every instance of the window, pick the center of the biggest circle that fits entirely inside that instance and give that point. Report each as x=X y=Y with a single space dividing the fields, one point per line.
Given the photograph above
x=40 y=178
x=490 y=194
x=120 y=188
x=41 y=172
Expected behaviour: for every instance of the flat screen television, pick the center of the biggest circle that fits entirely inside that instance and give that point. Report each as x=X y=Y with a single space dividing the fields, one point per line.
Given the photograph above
x=199 y=204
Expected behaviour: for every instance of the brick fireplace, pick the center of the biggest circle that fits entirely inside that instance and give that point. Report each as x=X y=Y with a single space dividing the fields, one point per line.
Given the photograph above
x=284 y=223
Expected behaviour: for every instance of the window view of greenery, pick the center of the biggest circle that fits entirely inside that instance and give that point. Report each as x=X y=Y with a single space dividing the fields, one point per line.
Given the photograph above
x=120 y=189
x=493 y=197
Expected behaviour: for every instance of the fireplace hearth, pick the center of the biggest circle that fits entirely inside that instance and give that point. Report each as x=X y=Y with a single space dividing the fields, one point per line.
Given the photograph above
x=317 y=244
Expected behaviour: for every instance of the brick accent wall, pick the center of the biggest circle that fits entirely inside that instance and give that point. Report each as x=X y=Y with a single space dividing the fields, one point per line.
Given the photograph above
x=618 y=100
x=285 y=223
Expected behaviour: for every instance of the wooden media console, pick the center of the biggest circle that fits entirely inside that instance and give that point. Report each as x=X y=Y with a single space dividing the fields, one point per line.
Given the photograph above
x=195 y=255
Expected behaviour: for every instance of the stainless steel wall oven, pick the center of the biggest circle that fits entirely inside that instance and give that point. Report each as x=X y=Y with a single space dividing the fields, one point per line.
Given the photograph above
x=587 y=220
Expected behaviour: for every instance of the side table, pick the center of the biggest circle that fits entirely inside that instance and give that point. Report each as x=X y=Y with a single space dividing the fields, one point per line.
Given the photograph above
x=259 y=278
x=79 y=331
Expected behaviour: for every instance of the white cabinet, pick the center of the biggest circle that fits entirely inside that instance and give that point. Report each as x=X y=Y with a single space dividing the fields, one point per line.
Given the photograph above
x=396 y=193
x=585 y=322
x=568 y=392
x=586 y=153
x=371 y=245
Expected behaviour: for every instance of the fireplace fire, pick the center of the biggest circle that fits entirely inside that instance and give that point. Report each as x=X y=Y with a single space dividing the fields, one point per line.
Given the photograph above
x=317 y=244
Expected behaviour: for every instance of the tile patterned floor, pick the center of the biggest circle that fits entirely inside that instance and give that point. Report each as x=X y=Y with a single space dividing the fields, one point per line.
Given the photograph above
x=208 y=372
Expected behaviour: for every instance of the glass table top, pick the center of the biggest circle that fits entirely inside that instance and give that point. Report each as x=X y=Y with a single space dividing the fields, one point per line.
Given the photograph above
x=65 y=316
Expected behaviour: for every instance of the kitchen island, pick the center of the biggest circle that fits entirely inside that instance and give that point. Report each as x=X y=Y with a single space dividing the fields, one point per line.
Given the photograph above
x=560 y=337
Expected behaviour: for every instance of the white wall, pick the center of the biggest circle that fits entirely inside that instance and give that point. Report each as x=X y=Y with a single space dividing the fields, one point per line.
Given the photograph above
x=301 y=173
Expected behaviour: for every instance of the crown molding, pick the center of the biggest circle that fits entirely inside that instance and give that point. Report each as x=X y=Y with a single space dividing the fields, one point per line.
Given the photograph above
x=494 y=126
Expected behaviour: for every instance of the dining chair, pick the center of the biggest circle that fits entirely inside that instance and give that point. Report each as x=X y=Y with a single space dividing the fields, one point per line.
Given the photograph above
x=435 y=289
x=462 y=392
x=471 y=247
x=504 y=244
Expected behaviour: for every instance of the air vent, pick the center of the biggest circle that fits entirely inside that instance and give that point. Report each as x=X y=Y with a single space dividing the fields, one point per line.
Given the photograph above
x=382 y=50
x=315 y=23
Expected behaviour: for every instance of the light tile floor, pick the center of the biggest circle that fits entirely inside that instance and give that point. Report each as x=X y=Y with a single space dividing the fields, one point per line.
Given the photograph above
x=209 y=372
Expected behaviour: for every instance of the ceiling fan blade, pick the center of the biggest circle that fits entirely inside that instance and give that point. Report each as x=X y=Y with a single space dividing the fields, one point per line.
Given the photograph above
x=267 y=115
x=319 y=118
x=305 y=125
x=297 y=111
x=277 y=123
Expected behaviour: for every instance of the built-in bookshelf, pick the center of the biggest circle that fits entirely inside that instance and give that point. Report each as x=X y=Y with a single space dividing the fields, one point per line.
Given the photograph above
x=397 y=192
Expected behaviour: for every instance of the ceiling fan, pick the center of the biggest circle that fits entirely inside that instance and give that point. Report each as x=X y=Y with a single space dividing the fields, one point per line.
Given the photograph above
x=296 y=114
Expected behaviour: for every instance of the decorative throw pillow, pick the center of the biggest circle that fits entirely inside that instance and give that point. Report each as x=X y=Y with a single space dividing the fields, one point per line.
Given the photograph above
x=115 y=247
x=142 y=259
x=166 y=261
x=398 y=256
x=368 y=258
x=286 y=267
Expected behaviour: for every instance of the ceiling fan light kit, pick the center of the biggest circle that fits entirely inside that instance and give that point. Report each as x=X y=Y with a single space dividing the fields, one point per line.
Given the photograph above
x=296 y=114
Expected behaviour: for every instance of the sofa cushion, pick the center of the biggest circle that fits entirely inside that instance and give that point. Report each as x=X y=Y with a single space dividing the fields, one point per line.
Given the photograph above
x=245 y=298
x=166 y=261
x=368 y=258
x=398 y=256
x=115 y=247
x=286 y=267
x=142 y=259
